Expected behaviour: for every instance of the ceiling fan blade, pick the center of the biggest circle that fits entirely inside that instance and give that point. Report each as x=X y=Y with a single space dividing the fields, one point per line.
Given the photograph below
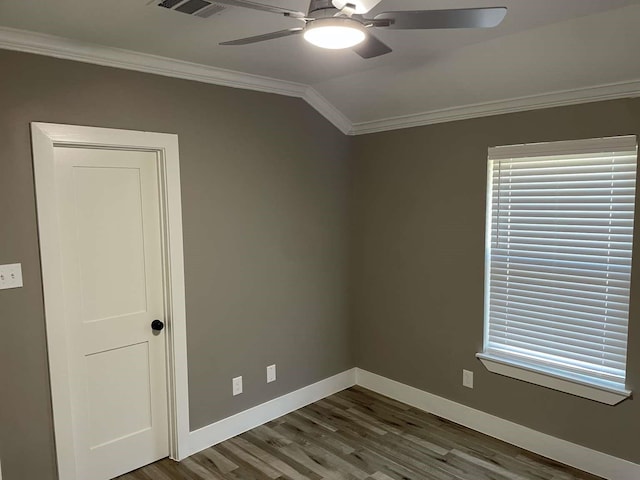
x=371 y=47
x=435 y=19
x=266 y=36
x=262 y=7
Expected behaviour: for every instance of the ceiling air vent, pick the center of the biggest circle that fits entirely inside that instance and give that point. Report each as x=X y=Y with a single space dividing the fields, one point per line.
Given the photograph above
x=198 y=8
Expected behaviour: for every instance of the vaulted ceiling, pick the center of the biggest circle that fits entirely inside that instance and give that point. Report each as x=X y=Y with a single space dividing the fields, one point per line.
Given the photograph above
x=542 y=47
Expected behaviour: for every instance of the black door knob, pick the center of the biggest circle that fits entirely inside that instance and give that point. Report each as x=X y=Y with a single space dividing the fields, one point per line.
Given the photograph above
x=157 y=325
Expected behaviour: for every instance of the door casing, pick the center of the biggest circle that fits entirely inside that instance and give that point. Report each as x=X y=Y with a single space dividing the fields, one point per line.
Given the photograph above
x=45 y=138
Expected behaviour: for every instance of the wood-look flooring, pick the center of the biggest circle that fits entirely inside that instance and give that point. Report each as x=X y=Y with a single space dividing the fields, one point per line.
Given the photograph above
x=360 y=435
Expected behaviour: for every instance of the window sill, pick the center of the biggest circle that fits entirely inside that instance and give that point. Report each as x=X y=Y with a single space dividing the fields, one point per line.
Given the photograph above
x=531 y=374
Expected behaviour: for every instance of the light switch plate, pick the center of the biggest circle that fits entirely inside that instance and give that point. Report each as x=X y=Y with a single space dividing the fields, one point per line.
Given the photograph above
x=271 y=373
x=11 y=276
x=467 y=378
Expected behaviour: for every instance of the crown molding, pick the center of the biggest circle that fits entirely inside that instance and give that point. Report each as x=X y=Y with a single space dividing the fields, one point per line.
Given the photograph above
x=612 y=91
x=327 y=110
x=65 y=48
x=59 y=47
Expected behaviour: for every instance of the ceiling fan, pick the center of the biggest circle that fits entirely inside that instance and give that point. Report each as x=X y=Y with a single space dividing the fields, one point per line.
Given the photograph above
x=339 y=24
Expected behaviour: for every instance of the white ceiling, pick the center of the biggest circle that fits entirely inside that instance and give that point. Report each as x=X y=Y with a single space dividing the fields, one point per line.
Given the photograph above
x=542 y=46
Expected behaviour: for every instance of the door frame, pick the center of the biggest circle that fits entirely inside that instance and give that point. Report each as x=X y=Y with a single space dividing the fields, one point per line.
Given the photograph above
x=45 y=137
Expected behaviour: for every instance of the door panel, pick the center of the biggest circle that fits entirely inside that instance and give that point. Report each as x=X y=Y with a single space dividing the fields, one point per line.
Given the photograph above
x=114 y=386
x=106 y=197
x=109 y=217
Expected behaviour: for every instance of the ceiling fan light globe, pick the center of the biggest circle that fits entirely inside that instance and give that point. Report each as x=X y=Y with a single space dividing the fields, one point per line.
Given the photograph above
x=334 y=33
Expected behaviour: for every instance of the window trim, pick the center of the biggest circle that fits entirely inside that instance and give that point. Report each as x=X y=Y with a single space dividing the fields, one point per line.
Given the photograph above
x=556 y=379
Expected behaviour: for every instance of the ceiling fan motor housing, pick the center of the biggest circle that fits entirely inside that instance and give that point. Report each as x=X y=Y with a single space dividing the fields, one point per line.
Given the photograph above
x=362 y=6
x=322 y=9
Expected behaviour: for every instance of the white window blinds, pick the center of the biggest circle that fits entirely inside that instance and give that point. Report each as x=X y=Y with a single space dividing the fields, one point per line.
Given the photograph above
x=558 y=257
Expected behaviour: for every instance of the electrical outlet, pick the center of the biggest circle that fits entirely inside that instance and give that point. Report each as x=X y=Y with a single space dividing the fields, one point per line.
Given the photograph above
x=271 y=373
x=11 y=276
x=467 y=378
x=237 y=386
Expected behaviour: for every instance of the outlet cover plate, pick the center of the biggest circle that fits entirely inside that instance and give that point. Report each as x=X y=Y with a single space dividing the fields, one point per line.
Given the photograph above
x=467 y=378
x=271 y=373
x=237 y=385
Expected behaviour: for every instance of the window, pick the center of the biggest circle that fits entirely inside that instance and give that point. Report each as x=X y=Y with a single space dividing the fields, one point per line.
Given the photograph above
x=558 y=264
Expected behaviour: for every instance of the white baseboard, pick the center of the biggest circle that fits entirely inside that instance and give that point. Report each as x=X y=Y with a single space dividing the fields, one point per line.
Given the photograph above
x=580 y=457
x=241 y=422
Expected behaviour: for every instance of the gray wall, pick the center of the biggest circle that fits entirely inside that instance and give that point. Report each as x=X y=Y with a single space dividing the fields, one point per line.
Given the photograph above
x=417 y=268
x=265 y=224
x=286 y=242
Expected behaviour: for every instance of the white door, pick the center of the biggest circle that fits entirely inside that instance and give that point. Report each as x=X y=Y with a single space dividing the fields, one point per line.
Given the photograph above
x=109 y=226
